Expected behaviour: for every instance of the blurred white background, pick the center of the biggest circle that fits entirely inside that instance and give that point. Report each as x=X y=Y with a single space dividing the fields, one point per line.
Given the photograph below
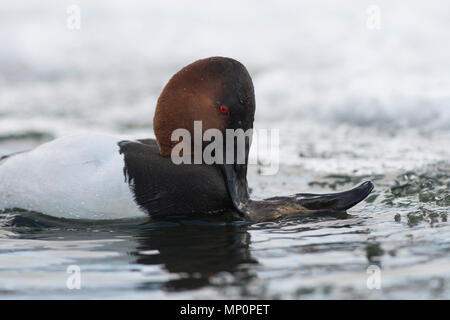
x=320 y=73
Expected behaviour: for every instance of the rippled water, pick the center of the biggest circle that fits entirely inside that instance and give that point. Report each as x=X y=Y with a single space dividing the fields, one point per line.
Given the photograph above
x=324 y=257
x=351 y=104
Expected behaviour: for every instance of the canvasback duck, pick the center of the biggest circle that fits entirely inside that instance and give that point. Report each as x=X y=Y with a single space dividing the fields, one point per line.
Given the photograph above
x=106 y=177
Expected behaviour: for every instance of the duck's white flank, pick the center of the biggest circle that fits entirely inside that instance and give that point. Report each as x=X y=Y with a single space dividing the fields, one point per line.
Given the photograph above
x=78 y=177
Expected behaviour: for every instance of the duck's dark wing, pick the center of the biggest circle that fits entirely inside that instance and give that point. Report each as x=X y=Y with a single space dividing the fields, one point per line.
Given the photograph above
x=165 y=189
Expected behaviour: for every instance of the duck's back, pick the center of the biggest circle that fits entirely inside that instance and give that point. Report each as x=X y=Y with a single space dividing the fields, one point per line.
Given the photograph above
x=73 y=177
x=105 y=177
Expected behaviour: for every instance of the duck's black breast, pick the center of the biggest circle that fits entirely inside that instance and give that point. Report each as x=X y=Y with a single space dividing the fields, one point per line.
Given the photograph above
x=165 y=189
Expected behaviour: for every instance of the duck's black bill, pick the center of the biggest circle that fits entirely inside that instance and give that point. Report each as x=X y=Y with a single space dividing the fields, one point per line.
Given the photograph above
x=235 y=174
x=236 y=181
x=339 y=201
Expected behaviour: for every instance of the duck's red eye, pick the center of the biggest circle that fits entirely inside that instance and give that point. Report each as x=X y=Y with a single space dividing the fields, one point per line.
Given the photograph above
x=223 y=109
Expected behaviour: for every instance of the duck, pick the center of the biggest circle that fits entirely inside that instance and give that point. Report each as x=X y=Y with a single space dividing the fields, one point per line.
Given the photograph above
x=104 y=177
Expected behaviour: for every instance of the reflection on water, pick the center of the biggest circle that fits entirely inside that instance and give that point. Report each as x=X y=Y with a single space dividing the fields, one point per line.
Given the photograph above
x=196 y=252
x=175 y=256
x=324 y=257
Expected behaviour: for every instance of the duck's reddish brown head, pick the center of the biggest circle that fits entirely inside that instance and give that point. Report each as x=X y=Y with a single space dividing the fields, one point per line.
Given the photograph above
x=217 y=91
